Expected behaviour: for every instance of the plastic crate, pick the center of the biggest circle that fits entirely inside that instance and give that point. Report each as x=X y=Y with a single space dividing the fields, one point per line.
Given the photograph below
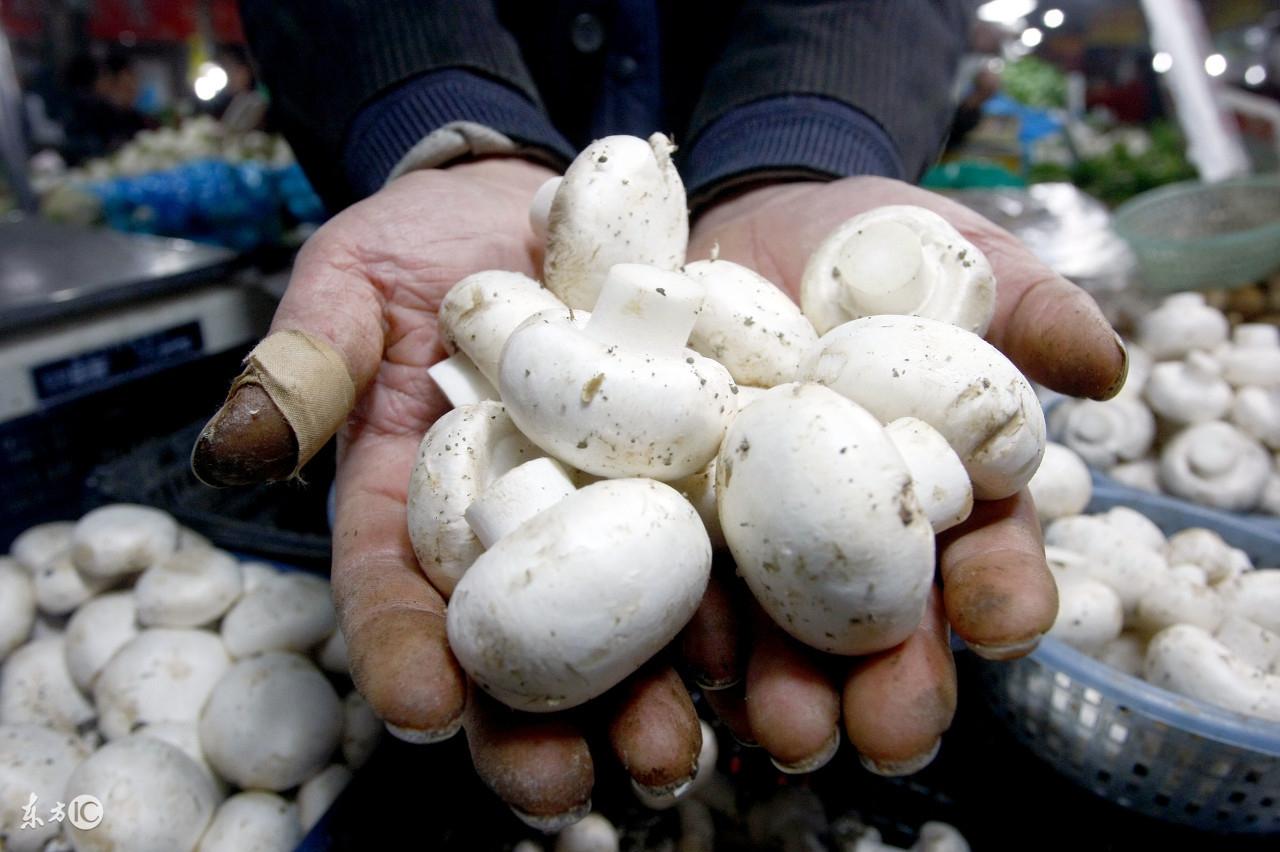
x=285 y=522
x=1147 y=749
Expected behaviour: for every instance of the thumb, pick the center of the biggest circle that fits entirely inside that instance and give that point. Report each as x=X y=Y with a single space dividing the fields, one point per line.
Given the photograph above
x=301 y=381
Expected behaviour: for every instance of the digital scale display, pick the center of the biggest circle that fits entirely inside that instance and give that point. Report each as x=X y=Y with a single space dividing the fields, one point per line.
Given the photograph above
x=90 y=370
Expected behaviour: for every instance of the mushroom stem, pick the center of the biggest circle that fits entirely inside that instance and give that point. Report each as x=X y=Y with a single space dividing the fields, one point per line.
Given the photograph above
x=461 y=381
x=940 y=480
x=879 y=270
x=517 y=496
x=540 y=208
x=645 y=309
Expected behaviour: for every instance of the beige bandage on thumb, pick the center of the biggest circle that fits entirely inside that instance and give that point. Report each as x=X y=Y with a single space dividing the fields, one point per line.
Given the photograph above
x=307 y=380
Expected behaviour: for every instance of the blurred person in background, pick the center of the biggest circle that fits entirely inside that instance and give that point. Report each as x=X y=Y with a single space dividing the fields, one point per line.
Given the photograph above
x=100 y=116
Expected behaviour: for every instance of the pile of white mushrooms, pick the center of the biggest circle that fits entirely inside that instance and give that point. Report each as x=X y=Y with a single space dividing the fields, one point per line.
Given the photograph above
x=1198 y=417
x=1187 y=612
x=179 y=687
x=617 y=421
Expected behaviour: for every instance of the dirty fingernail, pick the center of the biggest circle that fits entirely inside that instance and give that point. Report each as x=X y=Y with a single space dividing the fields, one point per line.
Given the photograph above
x=815 y=762
x=896 y=768
x=1115 y=387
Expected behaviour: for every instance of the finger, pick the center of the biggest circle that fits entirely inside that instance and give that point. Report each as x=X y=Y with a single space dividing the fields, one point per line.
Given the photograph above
x=792 y=705
x=730 y=706
x=392 y=618
x=329 y=300
x=1000 y=597
x=898 y=703
x=709 y=644
x=538 y=764
x=655 y=732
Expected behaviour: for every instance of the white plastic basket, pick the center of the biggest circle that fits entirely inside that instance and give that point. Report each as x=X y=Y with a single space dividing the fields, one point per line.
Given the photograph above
x=1135 y=744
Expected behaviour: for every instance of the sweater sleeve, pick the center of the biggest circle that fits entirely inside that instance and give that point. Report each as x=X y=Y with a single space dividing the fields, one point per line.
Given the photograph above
x=402 y=67
x=827 y=88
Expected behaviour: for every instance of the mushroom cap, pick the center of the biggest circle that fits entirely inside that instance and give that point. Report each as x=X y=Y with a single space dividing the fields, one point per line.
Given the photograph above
x=160 y=675
x=361 y=730
x=1124 y=653
x=479 y=313
x=1188 y=392
x=121 y=539
x=611 y=410
x=1112 y=556
x=1207 y=549
x=36 y=687
x=1255 y=595
x=1188 y=660
x=42 y=543
x=154 y=797
x=253 y=821
x=900 y=366
x=621 y=201
x=904 y=260
x=94 y=634
x=1215 y=464
x=1177 y=600
x=271 y=722
x=747 y=324
x=1256 y=411
x=581 y=595
x=820 y=513
x=320 y=791
x=190 y=588
x=1181 y=323
x=33 y=760
x=1104 y=433
x=592 y=833
x=1062 y=485
x=294 y=612
x=461 y=454
x=60 y=587
x=17 y=607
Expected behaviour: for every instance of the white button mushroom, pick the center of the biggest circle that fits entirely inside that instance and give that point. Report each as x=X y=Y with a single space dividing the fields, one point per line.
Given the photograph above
x=332 y=654
x=361 y=730
x=461 y=381
x=1256 y=411
x=160 y=675
x=1215 y=464
x=271 y=722
x=899 y=366
x=1255 y=596
x=122 y=539
x=292 y=613
x=17 y=606
x=185 y=736
x=1181 y=323
x=254 y=821
x=1112 y=556
x=1143 y=474
x=94 y=634
x=622 y=396
x=1178 y=599
x=1251 y=642
x=747 y=324
x=319 y=792
x=940 y=481
x=36 y=688
x=255 y=574
x=537 y=624
x=154 y=798
x=41 y=544
x=1206 y=548
x=1104 y=433
x=820 y=513
x=898 y=259
x=1089 y=613
x=461 y=454
x=1253 y=356
x=60 y=588
x=1137 y=527
x=1061 y=485
x=190 y=588
x=1126 y=653
x=621 y=201
x=592 y=833
x=34 y=761
x=1190 y=391
x=1187 y=659
x=479 y=313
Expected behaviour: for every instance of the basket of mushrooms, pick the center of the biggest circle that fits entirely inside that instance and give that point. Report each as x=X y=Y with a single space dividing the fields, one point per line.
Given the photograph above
x=1159 y=685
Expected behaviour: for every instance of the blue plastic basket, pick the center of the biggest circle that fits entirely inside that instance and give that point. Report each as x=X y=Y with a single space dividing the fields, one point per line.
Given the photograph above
x=1150 y=750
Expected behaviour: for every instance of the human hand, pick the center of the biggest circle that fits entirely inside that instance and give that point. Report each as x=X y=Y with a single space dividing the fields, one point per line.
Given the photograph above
x=369 y=283
x=995 y=588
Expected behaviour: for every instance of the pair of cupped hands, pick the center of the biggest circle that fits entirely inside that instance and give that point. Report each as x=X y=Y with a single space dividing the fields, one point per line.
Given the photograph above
x=370 y=282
